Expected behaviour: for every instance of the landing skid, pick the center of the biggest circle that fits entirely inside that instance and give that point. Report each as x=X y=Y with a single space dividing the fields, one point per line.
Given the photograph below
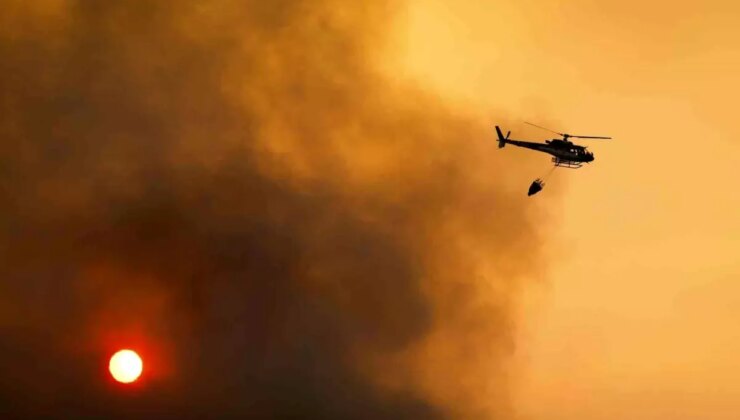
x=566 y=163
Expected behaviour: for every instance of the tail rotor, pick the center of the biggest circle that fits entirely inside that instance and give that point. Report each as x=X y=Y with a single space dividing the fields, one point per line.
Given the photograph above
x=501 y=139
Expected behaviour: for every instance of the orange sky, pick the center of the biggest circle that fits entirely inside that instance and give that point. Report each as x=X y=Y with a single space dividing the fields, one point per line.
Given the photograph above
x=237 y=170
x=639 y=316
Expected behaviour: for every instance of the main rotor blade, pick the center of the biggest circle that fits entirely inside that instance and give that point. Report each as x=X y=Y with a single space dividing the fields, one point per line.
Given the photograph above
x=589 y=137
x=567 y=135
x=546 y=129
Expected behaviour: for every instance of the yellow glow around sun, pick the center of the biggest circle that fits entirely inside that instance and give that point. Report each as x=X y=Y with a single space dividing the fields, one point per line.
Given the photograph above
x=125 y=366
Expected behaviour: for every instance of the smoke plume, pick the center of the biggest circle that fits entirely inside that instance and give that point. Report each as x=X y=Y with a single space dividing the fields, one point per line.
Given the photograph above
x=233 y=189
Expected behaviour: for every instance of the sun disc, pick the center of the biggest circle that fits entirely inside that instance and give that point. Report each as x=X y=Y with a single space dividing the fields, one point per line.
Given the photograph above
x=125 y=366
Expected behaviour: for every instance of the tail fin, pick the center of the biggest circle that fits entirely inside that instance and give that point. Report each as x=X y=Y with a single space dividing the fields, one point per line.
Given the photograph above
x=501 y=138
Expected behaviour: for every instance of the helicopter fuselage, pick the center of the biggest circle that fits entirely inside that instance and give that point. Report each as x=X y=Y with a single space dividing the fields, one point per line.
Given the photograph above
x=561 y=149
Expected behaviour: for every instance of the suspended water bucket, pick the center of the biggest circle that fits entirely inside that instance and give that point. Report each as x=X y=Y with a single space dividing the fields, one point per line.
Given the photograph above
x=536 y=187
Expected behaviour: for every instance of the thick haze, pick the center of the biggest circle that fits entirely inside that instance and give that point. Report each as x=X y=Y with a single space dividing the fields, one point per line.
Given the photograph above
x=641 y=316
x=240 y=191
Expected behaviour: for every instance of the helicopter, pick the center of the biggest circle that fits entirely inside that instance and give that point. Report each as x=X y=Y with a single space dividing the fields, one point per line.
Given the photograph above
x=565 y=153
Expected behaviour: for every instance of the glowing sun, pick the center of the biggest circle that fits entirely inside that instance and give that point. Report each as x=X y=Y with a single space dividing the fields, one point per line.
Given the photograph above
x=125 y=366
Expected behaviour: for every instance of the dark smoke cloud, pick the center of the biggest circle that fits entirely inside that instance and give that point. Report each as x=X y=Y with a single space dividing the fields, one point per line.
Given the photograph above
x=234 y=190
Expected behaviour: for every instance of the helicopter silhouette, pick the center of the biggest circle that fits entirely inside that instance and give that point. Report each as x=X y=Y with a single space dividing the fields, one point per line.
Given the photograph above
x=565 y=153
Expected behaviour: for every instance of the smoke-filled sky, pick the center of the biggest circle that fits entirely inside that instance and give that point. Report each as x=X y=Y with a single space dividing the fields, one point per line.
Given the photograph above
x=638 y=318
x=258 y=199
x=296 y=209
